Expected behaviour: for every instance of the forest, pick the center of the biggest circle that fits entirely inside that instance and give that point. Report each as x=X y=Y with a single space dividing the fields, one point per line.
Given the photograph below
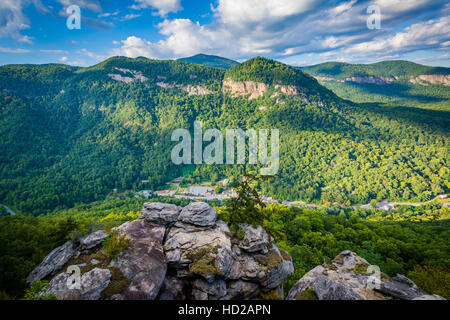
x=71 y=135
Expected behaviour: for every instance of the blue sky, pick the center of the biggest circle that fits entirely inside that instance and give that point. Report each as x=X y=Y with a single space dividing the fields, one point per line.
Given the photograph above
x=298 y=32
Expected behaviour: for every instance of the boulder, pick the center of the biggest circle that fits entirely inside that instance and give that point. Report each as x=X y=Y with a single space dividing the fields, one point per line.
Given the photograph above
x=160 y=213
x=205 y=252
x=92 y=240
x=327 y=289
x=52 y=263
x=401 y=287
x=90 y=285
x=143 y=261
x=255 y=239
x=350 y=277
x=198 y=214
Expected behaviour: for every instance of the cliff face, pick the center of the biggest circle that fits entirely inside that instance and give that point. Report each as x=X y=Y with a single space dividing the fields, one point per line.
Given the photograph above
x=255 y=90
x=350 y=277
x=173 y=253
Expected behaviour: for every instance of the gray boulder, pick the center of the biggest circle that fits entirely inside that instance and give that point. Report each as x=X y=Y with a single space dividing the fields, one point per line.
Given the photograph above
x=350 y=277
x=255 y=239
x=52 y=263
x=143 y=261
x=89 y=286
x=202 y=290
x=199 y=214
x=402 y=288
x=92 y=240
x=327 y=289
x=160 y=213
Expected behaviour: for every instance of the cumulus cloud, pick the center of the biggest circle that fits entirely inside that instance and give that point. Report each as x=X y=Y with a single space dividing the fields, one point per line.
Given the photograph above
x=163 y=6
x=13 y=21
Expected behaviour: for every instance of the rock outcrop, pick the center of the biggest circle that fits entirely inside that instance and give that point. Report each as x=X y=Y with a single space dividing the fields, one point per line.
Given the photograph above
x=255 y=90
x=172 y=253
x=127 y=75
x=350 y=277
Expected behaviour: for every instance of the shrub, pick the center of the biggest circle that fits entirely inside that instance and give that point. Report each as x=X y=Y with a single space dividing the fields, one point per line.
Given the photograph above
x=115 y=244
x=38 y=286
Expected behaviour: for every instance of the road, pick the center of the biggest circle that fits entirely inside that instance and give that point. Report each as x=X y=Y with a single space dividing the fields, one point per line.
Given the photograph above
x=9 y=211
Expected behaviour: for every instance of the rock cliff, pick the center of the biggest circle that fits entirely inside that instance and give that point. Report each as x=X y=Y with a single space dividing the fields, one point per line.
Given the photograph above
x=173 y=253
x=350 y=277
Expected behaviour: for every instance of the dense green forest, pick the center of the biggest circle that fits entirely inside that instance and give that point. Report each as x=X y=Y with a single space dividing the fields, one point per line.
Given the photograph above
x=396 y=243
x=211 y=61
x=394 y=68
x=70 y=135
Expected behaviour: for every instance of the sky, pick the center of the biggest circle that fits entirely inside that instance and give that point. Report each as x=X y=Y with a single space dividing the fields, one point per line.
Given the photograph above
x=297 y=32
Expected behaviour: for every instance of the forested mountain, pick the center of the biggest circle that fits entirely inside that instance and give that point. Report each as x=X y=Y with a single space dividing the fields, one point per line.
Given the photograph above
x=394 y=68
x=395 y=82
x=211 y=61
x=70 y=135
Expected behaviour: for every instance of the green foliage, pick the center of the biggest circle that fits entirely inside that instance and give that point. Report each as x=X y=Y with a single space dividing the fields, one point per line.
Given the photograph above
x=115 y=244
x=396 y=247
x=307 y=294
x=24 y=242
x=433 y=279
x=400 y=91
x=247 y=206
x=210 y=61
x=71 y=135
x=37 y=287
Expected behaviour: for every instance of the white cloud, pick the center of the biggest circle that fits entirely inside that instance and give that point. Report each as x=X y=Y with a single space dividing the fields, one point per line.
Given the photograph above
x=129 y=17
x=432 y=34
x=63 y=59
x=241 y=13
x=163 y=6
x=13 y=21
x=9 y=50
x=288 y=28
x=53 y=51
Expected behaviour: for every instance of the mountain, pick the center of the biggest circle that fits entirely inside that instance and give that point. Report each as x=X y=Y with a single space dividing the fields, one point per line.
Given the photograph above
x=211 y=61
x=395 y=82
x=70 y=135
x=396 y=68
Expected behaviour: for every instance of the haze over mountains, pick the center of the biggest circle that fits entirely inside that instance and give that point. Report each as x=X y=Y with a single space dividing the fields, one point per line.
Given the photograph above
x=72 y=134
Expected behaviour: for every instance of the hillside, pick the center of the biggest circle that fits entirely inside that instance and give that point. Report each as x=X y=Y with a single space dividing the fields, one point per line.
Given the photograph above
x=71 y=135
x=210 y=61
x=395 y=82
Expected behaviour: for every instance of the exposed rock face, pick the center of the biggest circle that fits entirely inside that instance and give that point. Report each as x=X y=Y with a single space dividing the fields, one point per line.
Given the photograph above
x=92 y=240
x=199 y=214
x=173 y=253
x=160 y=213
x=256 y=90
x=244 y=88
x=191 y=90
x=52 y=263
x=130 y=76
x=143 y=262
x=255 y=239
x=402 y=288
x=350 y=277
x=425 y=79
x=91 y=285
